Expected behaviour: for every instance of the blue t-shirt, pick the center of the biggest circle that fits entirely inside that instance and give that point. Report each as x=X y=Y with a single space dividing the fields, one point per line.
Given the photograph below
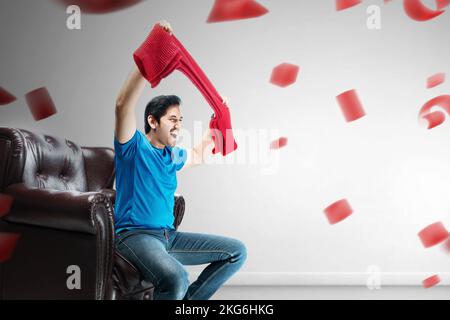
x=146 y=181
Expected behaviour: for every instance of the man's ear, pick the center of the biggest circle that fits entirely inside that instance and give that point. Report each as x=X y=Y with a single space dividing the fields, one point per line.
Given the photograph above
x=152 y=122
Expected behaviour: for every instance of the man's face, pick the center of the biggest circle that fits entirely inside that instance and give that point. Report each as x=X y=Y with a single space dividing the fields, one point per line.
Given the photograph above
x=169 y=126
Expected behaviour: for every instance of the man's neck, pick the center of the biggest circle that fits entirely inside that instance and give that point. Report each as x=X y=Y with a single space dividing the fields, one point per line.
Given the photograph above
x=154 y=141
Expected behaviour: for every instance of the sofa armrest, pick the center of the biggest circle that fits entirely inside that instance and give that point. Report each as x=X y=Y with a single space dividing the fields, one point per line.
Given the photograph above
x=110 y=193
x=84 y=212
x=178 y=210
x=63 y=210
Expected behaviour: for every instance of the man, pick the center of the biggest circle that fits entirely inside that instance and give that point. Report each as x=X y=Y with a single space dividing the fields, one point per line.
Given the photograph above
x=146 y=168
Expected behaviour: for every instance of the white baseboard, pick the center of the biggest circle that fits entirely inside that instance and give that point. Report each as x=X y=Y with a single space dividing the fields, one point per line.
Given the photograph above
x=331 y=278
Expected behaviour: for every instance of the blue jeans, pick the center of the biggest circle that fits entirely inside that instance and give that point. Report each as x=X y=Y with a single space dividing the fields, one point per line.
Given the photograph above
x=160 y=254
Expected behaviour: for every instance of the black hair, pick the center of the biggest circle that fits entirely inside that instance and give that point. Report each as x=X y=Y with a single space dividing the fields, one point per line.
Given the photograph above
x=157 y=107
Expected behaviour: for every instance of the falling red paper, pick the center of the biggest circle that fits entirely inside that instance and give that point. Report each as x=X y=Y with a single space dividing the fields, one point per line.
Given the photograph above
x=441 y=4
x=447 y=246
x=338 y=211
x=416 y=10
x=228 y=10
x=350 y=105
x=433 y=234
x=439 y=101
x=345 y=4
x=284 y=74
x=100 y=6
x=40 y=103
x=431 y=281
x=435 y=80
x=5 y=204
x=6 y=97
x=434 y=119
x=8 y=242
x=279 y=143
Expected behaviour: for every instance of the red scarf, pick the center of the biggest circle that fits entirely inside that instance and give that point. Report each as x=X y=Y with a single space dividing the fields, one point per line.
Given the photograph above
x=159 y=55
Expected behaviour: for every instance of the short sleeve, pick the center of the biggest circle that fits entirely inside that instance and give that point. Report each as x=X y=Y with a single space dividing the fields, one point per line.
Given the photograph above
x=179 y=156
x=128 y=149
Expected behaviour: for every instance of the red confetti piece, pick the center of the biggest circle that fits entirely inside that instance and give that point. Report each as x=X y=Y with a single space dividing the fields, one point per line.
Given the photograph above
x=338 y=211
x=227 y=10
x=435 y=80
x=439 y=101
x=5 y=204
x=284 y=74
x=416 y=10
x=434 y=119
x=40 y=103
x=441 y=4
x=350 y=105
x=433 y=234
x=6 y=97
x=100 y=6
x=447 y=246
x=8 y=243
x=431 y=281
x=279 y=143
x=345 y=4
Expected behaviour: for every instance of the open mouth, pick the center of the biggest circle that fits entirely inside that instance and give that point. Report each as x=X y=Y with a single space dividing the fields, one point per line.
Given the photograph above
x=174 y=135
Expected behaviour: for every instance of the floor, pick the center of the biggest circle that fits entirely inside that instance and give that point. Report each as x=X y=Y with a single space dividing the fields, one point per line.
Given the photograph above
x=331 y=293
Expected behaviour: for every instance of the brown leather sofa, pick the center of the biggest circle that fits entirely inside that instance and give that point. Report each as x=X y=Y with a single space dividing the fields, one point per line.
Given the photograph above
x=63 y=210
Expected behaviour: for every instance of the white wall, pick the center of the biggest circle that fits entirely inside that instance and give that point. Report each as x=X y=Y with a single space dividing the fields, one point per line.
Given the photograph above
x=394 y=173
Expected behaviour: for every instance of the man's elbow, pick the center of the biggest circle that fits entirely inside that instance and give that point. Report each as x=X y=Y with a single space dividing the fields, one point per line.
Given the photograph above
x=121 y=108
x=119 y=104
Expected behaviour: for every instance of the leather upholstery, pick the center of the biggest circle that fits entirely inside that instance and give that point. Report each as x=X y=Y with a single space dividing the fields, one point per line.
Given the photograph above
x=64 y=211
x=99 y=165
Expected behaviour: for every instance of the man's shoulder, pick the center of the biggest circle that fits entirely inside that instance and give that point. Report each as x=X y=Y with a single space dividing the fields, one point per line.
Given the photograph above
x=136 y=135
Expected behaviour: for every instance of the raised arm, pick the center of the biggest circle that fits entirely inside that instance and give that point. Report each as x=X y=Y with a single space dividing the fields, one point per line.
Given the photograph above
x=126 y=105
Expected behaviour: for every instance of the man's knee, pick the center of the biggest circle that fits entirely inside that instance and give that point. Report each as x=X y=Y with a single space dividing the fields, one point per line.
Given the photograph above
x=239 y=250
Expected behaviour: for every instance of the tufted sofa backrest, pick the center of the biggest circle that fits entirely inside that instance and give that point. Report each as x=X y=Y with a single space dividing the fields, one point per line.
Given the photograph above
x=49 y=162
